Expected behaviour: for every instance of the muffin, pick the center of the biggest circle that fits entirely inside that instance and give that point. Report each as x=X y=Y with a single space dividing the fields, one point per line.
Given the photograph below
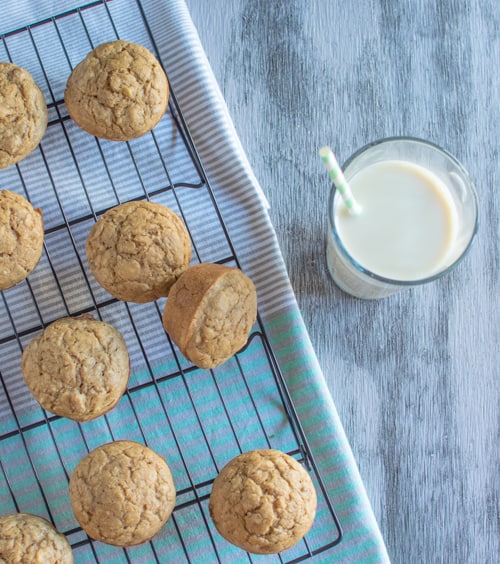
x=77 y=367
x=209 y=313
x=263 y=501
x=23 y=114
x=21 y=238
x=137 y=250
x=122 y=493
x=118 y=92
x=29 y=539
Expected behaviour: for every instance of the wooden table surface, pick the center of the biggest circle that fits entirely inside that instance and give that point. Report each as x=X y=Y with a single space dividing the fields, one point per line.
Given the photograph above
x=414 y=376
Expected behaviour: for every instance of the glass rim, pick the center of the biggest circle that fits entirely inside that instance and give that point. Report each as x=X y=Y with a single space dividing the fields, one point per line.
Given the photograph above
x=384 y=279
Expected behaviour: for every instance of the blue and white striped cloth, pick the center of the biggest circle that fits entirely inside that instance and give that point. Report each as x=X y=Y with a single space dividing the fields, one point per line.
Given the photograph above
x=52 y=177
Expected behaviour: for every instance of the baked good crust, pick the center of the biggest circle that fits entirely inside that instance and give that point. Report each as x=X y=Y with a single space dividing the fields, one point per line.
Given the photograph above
x=137 y=250
x=77 y=368
x=263 y=501
x=27 y=538
x=118 y=91
x=21 y=238
x=122 y=493
x=209 y=313
x=23 y=114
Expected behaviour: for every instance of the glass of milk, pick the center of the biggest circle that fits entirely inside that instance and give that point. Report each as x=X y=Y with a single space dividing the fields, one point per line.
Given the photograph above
x=418 y=219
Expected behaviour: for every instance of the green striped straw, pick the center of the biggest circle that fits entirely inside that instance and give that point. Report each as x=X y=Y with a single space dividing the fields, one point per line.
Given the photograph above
x=338 y=178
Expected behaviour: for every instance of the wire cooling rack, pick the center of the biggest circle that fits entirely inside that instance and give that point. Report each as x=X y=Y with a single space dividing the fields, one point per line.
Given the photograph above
x=197 y=419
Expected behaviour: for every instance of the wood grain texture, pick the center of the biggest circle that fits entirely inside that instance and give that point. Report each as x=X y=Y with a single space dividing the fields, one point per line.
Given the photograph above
x=415 y=376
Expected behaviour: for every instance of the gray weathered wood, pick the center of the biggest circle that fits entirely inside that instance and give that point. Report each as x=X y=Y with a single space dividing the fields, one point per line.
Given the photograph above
x=414 y=376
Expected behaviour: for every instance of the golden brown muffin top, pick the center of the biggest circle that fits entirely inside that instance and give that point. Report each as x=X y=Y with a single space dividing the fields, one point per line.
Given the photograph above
x=23 y=114
x=263 y=501
x=118 y=92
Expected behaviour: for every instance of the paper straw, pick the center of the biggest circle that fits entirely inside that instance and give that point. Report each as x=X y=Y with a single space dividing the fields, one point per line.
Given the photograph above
x=337 y=176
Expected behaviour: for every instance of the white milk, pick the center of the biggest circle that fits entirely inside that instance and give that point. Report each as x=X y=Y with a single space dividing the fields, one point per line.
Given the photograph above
x=408 y=225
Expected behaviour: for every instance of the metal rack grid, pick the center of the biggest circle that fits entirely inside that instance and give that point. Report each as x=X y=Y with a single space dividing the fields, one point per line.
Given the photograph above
x=197 y=419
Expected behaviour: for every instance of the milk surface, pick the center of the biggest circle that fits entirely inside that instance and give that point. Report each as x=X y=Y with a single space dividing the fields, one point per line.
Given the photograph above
x=408 y=224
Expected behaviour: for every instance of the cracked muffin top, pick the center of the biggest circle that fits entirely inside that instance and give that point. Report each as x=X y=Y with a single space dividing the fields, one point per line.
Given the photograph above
x=77 y=367
x=209 y=313
x=122 y=493
x=23 y=114
x=118 y=92
x=29 y=538
x=263 y=501
x=21 y=238
x=137 y=250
